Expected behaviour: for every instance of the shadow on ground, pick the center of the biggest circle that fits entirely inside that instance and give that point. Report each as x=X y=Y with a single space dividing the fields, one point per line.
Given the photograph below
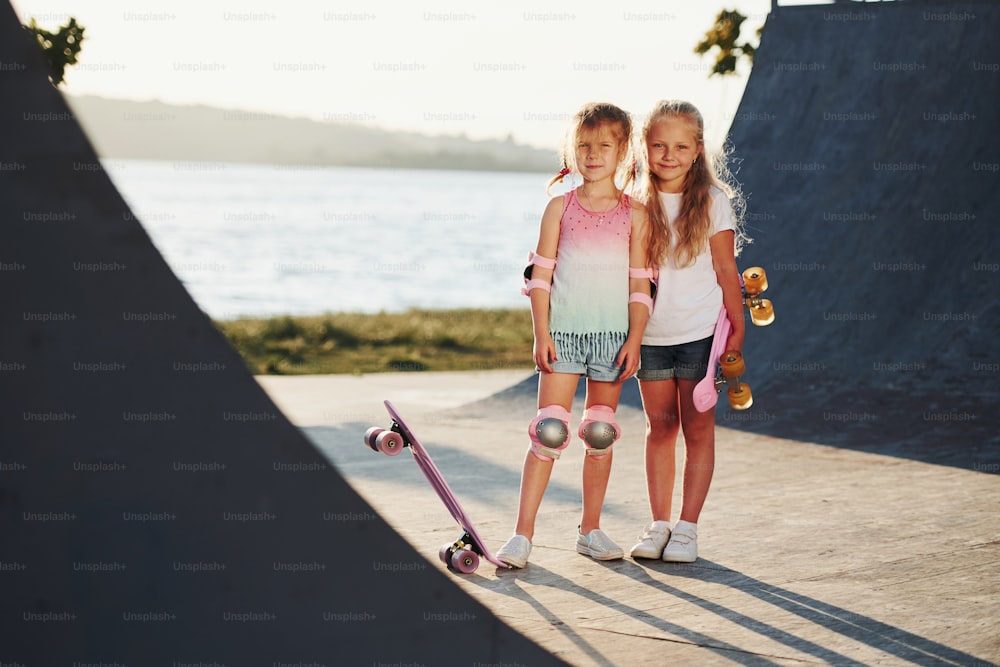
x=894 y=641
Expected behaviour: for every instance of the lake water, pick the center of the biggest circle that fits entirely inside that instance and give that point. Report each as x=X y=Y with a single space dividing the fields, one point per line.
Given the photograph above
x=268 y=240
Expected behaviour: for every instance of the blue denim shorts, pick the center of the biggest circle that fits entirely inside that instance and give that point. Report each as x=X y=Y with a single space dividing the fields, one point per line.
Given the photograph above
x=593 y=355
x=687 y=361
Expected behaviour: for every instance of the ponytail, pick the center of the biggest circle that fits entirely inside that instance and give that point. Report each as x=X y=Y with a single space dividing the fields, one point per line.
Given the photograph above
x=558 y=178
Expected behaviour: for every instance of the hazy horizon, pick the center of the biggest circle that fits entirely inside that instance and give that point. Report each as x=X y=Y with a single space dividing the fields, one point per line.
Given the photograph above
x=157 y=131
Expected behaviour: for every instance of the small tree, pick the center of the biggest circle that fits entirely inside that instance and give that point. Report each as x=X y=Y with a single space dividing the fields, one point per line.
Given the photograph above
x=59 y=48
x=724 y=36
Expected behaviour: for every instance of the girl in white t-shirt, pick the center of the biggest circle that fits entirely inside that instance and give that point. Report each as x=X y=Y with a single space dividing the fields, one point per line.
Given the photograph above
x=694 y=239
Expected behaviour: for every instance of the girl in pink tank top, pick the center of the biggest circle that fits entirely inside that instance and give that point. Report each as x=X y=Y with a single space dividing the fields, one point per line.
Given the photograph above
x=590 y=299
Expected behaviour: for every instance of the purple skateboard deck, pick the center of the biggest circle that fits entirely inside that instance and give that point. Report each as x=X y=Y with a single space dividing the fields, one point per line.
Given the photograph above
x=471 y=538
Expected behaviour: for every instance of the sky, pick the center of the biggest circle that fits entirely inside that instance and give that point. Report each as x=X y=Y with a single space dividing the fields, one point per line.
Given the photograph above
x=513 y=68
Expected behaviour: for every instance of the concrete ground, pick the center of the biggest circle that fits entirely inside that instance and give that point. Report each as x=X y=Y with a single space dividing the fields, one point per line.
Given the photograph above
x=810 y=554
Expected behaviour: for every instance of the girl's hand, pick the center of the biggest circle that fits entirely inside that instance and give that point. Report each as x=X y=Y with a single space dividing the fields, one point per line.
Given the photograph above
x=735 y=341
x=544 y=352
x=628 y=358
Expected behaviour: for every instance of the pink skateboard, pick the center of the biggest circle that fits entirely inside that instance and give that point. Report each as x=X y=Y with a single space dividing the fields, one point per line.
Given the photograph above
x=463 y=554
x=726 y=366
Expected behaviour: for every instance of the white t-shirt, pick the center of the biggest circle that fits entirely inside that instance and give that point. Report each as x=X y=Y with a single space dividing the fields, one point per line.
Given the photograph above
x=688 y=300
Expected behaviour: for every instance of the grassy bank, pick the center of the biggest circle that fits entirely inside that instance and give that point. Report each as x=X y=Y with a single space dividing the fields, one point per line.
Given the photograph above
x=417 y=340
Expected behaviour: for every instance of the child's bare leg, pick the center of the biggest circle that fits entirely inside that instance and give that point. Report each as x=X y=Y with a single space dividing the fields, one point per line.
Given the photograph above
x=553 y=389
x=534 y=479
x=596 y=474
x=699 y=459
x=597 y=469
x=659 y=400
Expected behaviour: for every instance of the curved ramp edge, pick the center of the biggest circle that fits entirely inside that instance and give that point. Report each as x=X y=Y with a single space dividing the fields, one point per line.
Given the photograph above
x=872 y=164
x=157 y=506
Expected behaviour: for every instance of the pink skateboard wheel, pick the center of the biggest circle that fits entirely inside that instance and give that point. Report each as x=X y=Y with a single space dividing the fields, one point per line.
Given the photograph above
x=370 y=436
x=389 y=442
x=465 y=561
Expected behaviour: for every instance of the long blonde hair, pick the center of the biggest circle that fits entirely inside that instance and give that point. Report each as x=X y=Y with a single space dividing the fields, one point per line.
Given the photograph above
x=590 y=117
x=693 y=225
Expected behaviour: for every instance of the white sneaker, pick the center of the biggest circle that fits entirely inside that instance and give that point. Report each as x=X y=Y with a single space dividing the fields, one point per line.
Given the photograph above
x=652 y=542
x=598 y=546
x=515 y=552
x=683 y=544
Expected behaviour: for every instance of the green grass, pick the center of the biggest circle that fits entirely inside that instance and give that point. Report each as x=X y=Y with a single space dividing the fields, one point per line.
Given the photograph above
x=417 y=340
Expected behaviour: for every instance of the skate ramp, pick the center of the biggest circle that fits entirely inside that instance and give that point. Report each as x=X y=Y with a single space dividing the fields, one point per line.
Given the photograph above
x=870 y=155
x=155 y=502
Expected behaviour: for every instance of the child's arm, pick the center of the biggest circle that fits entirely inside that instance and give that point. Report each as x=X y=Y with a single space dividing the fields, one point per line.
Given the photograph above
x=638 y=312
x=728 y=276
x=548 y=246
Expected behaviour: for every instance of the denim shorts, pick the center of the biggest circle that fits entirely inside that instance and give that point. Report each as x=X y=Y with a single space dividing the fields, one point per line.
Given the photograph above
x=687 y=361
x=593 y=355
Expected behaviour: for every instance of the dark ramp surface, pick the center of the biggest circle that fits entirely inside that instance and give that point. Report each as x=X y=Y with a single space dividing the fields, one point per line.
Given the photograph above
x=157 y=508
x=870 y=153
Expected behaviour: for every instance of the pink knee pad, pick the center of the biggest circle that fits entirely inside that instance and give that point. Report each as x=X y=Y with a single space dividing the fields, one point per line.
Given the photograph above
x=549 y=432
x=599 y=430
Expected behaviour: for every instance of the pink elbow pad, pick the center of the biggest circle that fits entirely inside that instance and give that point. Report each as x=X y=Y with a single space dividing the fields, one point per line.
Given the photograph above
x=544 y=262
x=639 y=297
x=640 y=273
x=653 y=273
x=533 y=284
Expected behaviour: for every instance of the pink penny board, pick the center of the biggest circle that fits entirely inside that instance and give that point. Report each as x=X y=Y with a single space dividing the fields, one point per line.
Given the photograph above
x=705 y=393
x=433 y=476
